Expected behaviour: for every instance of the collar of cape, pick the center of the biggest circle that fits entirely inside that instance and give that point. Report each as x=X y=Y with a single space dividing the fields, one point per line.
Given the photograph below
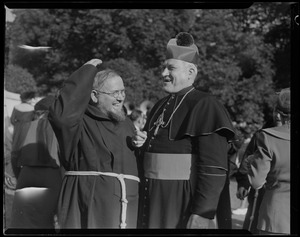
x=199 y=114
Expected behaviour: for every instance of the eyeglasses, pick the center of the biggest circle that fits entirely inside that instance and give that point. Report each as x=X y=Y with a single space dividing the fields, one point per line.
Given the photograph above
x=114 y=94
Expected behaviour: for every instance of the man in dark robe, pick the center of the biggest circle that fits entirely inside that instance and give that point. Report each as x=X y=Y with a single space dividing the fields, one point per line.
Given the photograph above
x=100 y=187
x=185 y=160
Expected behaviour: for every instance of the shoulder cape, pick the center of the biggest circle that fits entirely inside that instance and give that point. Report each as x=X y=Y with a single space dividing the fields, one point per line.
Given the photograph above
x=281 y=132
x=199 y=114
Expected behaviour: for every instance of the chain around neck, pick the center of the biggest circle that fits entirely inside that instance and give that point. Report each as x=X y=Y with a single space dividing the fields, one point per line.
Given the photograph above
x=160 y=117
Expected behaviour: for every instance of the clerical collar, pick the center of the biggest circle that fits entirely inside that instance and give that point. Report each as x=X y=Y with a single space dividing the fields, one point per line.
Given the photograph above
x=183 y=91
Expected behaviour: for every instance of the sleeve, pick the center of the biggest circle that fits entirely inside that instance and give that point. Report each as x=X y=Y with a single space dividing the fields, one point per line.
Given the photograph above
x=14 y=164
x=68 y=109
x=261 y=162
x=74 y=97
x=13 y=117
x=20 y=133
x=210 y=174
x=242 y=174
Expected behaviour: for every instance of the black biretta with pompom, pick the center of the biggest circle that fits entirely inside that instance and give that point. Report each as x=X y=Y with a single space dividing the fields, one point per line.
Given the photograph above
x=182 y=47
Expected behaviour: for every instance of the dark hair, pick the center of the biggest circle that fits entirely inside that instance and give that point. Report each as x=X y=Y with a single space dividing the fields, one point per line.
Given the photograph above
x=28 y=95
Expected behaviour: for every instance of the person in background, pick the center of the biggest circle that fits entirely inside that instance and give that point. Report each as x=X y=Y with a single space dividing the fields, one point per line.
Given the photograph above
x=245 y=192
x=100 y=186
x=24 y=111
x=138 y=119
x=37 y=169
x=240 y=147
x=269 y=166
x=185 y=145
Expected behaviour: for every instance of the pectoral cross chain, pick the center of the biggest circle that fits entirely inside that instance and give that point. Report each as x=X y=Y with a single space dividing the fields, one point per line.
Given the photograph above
x=159 y=122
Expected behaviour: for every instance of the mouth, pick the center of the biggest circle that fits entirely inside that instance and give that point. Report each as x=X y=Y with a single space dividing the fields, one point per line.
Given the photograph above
x=167 y=80
x=118 y=105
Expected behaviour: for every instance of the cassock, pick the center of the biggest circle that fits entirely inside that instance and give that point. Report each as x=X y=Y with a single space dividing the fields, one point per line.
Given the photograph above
x=185 y=161
x=93 y=148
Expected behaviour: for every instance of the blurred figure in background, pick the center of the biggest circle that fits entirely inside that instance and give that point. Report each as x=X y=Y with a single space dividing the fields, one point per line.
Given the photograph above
x=25 y=111
x=269 y=166
x=36 y=166
x=138 y=119
x=22 y=113
x=236 y=152
x=245 y=192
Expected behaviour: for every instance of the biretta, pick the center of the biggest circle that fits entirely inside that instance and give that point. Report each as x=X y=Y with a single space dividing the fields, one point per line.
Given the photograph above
x=182 y=47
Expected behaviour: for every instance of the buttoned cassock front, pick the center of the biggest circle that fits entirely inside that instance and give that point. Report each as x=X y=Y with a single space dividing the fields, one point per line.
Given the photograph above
x=90 y=141
x=200 y=128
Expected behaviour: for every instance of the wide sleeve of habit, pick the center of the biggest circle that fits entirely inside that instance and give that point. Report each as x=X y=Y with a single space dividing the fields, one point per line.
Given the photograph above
x=68 y=109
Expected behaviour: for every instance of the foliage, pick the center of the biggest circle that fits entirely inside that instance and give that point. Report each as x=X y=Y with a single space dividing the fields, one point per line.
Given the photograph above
x=18 y=80
x=272 y=21
x=236 y=67
x=241 y=50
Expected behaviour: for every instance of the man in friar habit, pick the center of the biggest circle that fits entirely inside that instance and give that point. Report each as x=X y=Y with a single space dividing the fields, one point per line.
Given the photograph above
x=185 y=153
x=100 y=186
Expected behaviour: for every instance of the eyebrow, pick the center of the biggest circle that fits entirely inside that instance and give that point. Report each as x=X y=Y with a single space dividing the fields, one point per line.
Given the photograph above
x=169 y=64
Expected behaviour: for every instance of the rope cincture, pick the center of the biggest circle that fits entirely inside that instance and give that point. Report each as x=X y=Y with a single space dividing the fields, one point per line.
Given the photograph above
x=121 y=178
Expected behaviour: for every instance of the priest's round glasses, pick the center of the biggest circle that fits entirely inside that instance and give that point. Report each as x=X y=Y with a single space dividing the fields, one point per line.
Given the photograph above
x=114 y=94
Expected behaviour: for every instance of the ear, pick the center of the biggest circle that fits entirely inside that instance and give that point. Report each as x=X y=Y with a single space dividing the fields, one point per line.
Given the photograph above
x=94 y=98
x=192 y=72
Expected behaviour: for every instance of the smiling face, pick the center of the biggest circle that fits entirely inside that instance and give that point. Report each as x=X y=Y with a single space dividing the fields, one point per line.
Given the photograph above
x=107 y=103
x=177 y=75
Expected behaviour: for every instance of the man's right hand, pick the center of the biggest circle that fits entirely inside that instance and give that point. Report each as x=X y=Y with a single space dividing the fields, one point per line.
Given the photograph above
x=139 y=138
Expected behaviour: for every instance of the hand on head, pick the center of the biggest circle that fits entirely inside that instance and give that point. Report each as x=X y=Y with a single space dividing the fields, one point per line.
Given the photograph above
x=95 y=62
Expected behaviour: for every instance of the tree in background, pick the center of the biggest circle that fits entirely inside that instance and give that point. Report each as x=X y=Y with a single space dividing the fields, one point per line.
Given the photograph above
x=236 y=66
x=18 y=80
x=239 y=48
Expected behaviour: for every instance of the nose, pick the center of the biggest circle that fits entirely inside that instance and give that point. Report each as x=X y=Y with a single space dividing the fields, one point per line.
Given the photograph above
x=165 y=72
x=121 y=96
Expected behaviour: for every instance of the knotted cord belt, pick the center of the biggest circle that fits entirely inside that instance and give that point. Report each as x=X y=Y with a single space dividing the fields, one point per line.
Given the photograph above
x=121 y=178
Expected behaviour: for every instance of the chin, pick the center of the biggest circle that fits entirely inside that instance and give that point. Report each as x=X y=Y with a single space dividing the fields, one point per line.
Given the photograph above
x=168 y=89
x=117 y=115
